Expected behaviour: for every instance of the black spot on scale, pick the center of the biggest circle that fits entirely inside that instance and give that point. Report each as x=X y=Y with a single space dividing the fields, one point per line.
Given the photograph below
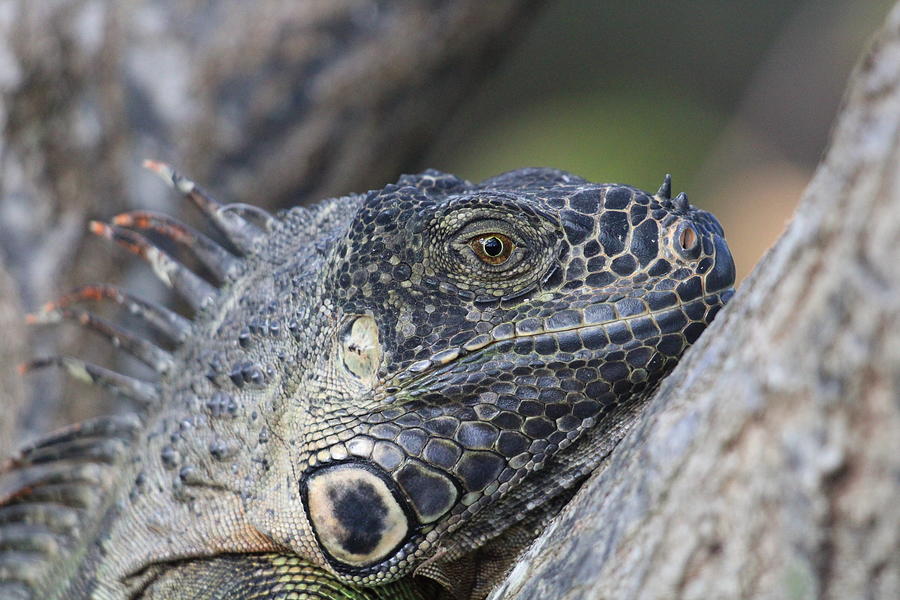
x=613 y=231
x=587 y=202
x=577 y=226
x=358 y=514
x=617 y=198
x=431 y=493
x=477 y=469
x=645 y=242
x=361 y=512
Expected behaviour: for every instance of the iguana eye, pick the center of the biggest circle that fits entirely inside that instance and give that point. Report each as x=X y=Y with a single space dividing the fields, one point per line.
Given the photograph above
x=487 y=248
x=492 y=248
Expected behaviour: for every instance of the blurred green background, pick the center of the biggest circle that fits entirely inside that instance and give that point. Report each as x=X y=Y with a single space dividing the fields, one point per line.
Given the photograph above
x=734 y=98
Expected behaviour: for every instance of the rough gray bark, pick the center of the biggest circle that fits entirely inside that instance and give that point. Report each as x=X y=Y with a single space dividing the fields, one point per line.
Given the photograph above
x=768 y=464
x=12 y=352
x=272 y=102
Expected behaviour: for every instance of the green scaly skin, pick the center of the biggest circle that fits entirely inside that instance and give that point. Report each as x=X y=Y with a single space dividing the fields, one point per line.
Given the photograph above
x=382 y=391
x=269 y=577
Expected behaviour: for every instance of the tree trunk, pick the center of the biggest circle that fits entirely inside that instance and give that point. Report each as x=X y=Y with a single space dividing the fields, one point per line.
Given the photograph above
x=768 y=465
x=272 y=102
x=12 y=352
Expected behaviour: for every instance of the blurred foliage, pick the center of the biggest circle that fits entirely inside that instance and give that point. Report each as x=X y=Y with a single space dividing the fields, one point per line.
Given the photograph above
x=622 y=136
x=735 y=99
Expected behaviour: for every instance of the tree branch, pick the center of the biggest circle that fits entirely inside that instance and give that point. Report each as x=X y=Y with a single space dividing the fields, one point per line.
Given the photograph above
x=767 y=466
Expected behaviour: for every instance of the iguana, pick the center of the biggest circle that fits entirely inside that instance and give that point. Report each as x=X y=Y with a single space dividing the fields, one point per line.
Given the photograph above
x=382 y=395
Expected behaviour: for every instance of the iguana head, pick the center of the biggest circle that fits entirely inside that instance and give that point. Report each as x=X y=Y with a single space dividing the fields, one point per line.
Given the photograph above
x=457 y=337
x=383 y=383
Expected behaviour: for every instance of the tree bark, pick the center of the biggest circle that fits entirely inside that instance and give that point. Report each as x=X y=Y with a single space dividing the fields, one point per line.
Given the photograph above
x=272 y=102
x=12 y=352
x=768 y=464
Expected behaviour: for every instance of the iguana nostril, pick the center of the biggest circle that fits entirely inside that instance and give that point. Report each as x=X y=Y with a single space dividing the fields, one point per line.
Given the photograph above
x=688 y=239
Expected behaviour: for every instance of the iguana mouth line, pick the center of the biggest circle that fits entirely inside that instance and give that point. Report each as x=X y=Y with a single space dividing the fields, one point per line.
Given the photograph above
x=444 y=358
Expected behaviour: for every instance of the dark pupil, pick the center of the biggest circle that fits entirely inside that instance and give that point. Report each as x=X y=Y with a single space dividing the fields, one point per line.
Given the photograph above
x=492 y=246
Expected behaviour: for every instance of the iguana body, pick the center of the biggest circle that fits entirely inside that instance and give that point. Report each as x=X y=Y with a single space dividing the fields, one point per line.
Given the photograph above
x=380 y=385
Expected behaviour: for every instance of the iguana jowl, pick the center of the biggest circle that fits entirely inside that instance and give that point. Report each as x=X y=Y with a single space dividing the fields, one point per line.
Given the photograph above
x=381 y=384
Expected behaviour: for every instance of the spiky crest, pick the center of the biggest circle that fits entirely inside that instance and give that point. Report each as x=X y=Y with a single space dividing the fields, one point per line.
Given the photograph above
x=169 y=323
x=665 y=190
x=58 y=489
x=242 y=234
x=221 y=263
x=195 y=290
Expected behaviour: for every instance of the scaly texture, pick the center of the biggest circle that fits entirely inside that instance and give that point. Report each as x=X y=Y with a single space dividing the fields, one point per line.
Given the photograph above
x=268 y=577
x=383 y=385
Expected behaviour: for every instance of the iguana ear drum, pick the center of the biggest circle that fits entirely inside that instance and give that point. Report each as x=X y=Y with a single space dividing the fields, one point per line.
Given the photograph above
x=360 y=349
x=358 y=518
